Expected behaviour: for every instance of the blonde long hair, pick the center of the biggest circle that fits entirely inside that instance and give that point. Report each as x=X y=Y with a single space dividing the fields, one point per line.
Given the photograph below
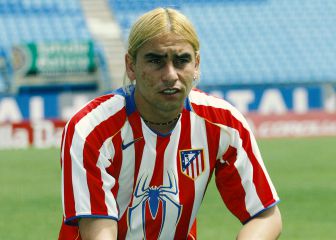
x=158 y=22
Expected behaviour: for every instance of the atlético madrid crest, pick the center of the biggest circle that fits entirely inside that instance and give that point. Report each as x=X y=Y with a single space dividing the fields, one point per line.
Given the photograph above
x=192 y=162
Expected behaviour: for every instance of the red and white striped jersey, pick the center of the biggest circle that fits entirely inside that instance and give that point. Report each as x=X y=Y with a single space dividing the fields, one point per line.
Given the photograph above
x=115 y=166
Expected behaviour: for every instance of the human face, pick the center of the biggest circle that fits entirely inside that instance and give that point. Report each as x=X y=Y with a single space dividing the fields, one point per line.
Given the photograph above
x=164 y=70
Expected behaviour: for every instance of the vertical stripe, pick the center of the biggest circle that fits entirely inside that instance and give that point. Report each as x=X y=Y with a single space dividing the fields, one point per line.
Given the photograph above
x=136 y=153
x=153 y=225
x=109 y=181
x=170 y=190
x=127 y=172
x=195 y=167
x=213 y=137
x=199 y=165
x=115 y=167
x=62 y=143
x=67 y=191
x=68 y=194
x=245 y=170
x=228 y=181
x=199 y=141
x=186 y=184
x=93 y=142
x=138 y=146
x=161 y=146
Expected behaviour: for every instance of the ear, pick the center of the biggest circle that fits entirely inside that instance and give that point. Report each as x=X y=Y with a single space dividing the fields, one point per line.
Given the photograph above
x=197 y=65
x=129 y=63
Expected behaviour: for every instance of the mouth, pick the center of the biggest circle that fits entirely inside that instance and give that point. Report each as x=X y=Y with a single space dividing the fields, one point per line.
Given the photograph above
x=169 y=91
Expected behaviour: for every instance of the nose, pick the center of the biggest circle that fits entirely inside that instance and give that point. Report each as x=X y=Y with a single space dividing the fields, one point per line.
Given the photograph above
x=169 y=74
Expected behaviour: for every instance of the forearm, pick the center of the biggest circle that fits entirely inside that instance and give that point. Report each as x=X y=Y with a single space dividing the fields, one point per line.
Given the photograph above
x=266 y=226
x=98 y=229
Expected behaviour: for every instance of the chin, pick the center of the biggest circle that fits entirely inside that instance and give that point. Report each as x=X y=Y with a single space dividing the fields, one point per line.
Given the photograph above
x=170 y=106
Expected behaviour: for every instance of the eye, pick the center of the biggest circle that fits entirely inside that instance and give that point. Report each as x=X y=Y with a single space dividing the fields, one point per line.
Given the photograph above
x=155 y=61
x=181 y=61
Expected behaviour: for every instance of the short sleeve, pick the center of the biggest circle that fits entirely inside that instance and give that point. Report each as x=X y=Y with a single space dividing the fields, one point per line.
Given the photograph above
x=241 y=176
x=86 y=184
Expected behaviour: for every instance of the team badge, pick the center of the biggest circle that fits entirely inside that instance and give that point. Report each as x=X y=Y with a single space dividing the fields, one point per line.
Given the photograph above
x=192 y=162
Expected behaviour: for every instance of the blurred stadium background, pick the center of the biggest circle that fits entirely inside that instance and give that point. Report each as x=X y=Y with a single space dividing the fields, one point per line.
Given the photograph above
x=275 y=60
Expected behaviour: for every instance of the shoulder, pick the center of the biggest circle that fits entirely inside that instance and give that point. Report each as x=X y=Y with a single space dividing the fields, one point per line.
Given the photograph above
x=99 y=109
x=213 y=109
x=199 y=97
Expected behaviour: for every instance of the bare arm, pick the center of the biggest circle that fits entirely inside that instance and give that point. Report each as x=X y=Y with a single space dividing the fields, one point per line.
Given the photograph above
x=266 y=226
x=98 y=229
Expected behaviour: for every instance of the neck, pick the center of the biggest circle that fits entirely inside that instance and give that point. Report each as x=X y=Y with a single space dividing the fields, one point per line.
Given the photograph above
x=162 y=127
x=162 y=123
x=155 y=116
x=170 y=122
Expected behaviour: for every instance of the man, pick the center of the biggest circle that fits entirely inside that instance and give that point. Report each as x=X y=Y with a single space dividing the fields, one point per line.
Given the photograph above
x=136 y=163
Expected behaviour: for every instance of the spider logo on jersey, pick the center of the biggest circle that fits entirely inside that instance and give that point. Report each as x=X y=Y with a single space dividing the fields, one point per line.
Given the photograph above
x=152 y=199
x=192 y=162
